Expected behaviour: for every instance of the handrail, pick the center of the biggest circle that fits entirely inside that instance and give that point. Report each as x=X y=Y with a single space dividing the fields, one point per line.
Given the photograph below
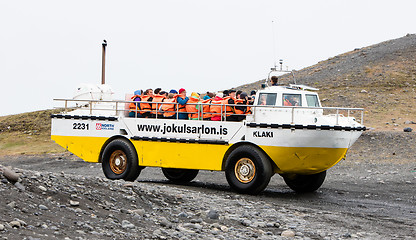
x=200 y=113
x=267 y=106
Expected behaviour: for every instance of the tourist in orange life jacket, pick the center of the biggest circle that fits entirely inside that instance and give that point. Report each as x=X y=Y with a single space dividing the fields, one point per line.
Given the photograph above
x=182 y=99
x=164 y=94
x=156 y=104
x=287 y=102
x=237 y=94
x=215 y=108
x=157 y=91
x=192 y=108
x=230 y=110
x=206 y=112
x=145 y=107
x=134 y=107
x=208 y=95
x=169 y=105
x=242 y=110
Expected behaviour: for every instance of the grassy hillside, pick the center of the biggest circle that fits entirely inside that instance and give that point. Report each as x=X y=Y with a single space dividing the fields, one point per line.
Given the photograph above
x=380 y=78
x=27 y=133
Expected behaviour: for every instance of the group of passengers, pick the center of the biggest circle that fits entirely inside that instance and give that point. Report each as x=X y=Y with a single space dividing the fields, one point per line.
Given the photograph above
x=177 y=105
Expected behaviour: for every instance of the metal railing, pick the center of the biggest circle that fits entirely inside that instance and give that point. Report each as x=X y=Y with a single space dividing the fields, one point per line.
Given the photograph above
x=158 y=113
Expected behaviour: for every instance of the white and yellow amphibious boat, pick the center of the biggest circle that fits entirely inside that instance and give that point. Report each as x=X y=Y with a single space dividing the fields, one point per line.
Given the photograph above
x=299 y=142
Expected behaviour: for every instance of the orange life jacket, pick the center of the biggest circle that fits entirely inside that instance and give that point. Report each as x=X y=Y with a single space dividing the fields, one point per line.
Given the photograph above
x=248 y=111
x=144 y=106
x=287 y=103
x=216 y=107
x=134 y=106
x=157 y=99
x=206 y=109
x=181 y=108
x=191 y=108
x=239 y=111
x=169 y=107
x=229 y=109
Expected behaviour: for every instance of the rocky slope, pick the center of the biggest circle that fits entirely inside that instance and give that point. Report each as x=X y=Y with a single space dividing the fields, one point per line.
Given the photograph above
x=380 y=78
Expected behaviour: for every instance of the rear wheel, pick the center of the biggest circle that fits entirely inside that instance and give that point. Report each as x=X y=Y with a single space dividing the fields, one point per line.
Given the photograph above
x=119 y=161
x=180 y=176
x=305 y=183
x=248 y=170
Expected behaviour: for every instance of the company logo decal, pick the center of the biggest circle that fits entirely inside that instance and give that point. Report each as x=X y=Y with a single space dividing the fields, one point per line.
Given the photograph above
x=104 y=126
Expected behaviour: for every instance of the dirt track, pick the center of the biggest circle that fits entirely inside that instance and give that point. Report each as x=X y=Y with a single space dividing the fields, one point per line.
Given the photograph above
x=369 y=195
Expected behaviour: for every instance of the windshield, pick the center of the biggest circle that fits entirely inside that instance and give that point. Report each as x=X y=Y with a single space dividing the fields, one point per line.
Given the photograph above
x=267 y=99
x=292 y=100
x=312 y=100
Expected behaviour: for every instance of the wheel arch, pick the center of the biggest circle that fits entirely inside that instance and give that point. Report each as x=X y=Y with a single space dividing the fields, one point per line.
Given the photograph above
x=236 y=145
x=100 y=158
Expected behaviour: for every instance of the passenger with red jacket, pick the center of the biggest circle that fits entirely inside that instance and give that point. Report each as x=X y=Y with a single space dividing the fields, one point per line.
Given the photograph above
x=216 y=107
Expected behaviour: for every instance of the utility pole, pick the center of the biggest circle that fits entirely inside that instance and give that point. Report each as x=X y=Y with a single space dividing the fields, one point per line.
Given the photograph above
x=103 y=63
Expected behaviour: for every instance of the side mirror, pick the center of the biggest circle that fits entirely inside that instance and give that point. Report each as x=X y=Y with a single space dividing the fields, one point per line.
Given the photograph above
x=263 y=85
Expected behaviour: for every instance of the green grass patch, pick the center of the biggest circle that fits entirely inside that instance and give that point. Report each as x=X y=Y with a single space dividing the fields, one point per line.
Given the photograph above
x=9 y=145
x=27 y=133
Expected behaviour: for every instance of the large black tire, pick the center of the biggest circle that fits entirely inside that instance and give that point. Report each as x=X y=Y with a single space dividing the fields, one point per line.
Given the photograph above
x=248 y=170
x=180 y=176
x=119 y=160
x=305 y=183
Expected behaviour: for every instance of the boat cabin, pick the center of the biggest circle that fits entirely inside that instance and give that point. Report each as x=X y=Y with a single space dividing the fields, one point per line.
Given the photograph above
x=294 y=96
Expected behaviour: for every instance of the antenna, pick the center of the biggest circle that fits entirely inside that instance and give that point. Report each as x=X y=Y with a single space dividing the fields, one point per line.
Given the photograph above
x=274 y=42
x=275 y=69
x=103 y=63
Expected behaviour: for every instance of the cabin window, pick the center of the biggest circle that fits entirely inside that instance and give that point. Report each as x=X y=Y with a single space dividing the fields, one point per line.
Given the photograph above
x=312 y=100
x=292 y=100
x=267 y=99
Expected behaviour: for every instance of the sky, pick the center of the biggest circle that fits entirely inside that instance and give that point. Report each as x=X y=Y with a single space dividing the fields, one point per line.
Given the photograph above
x=49 y=47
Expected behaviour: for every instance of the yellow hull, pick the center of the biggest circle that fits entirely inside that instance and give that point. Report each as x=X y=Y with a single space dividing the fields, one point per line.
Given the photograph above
x=301 y=160
x=304 y=160
x=87 y=148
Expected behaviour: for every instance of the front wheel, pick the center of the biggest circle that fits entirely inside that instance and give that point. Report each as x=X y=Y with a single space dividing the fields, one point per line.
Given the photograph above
x=119 y=161
x=180 y=176
x=305 y=183
x=248 y=170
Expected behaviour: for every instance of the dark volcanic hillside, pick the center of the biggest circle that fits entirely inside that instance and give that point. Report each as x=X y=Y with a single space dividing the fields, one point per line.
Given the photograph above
x=380 y=78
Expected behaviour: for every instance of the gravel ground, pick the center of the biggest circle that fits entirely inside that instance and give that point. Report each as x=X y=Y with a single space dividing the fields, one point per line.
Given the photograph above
x=370 y=195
